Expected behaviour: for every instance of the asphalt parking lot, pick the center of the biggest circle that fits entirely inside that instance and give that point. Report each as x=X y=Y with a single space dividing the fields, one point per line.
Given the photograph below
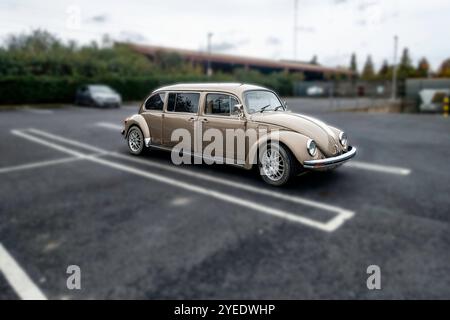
x=142 y=228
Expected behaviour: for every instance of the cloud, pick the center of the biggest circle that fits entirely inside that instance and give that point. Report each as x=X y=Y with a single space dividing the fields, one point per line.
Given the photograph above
x=228 y=45
x=101 y=18
x=366 y=5
x=273 y=41
x=131 y=36
x=361 y=22
x=223 y=46
x=306 y=29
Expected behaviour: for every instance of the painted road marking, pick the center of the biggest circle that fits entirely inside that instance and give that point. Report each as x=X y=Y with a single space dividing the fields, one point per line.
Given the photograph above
x=109 y=125
x=377 y=167
x=350 y=164
x=74 y=153
x=342 y=214
x=38 y=164
x=38 y=111
x=329 y=226
x=17 y=277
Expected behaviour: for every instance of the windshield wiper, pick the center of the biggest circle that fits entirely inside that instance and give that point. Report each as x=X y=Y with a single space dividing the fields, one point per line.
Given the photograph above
x=264 y=108
x=279 y=107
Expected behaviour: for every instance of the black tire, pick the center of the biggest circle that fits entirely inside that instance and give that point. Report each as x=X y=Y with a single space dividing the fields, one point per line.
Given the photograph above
x=290 y=165
x=135 y=140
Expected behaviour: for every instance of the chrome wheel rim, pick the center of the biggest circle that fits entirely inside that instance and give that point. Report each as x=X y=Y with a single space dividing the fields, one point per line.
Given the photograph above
x=134 y=140
x=273 y=164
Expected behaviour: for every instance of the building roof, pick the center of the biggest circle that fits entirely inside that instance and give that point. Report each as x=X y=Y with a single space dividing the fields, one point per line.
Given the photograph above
x=232 y=87
x=199 y=56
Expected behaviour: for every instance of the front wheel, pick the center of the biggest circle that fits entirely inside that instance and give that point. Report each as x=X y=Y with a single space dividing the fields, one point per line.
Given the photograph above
x=277 y=165
x=135 y=141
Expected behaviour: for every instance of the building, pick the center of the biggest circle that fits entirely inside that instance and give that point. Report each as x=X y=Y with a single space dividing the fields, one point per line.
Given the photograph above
x=227 y=63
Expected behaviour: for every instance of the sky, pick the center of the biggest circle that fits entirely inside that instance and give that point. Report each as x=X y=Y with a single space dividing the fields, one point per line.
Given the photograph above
x=330 y=29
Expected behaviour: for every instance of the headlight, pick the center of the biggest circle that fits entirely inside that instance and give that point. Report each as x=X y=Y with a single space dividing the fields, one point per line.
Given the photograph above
x=311 y=146
x=343 y=139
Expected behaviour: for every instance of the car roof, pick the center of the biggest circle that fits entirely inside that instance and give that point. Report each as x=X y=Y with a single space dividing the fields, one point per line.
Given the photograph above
x=236 y=88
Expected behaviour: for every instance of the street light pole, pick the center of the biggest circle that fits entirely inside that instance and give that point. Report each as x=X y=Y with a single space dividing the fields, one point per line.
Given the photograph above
x=295 y=28
x=209 y=70
x=394 y=71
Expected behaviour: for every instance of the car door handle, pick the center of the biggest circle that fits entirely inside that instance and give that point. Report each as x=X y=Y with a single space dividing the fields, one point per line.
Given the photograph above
x=191 y=119
x=204 y=120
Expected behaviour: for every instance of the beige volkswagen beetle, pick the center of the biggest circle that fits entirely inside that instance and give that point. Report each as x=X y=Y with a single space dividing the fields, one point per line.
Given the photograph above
x=237 y=124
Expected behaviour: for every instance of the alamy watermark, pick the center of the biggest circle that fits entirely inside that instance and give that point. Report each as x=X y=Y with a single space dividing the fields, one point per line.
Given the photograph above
x=374 y=280
x=74 y=279
x=73 y=18
x=229 y=146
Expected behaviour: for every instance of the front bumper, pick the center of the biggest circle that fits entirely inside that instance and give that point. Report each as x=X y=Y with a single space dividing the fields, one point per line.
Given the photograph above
x=329 y=163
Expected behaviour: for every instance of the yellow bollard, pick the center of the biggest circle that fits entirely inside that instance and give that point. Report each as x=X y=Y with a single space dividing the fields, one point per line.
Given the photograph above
x=446 y=99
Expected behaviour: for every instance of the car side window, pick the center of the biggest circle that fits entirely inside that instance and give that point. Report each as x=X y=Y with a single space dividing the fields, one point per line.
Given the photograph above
x=221 y=104
x=155 y=102
x=183 y=102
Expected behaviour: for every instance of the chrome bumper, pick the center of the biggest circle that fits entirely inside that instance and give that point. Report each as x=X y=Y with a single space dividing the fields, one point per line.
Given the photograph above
x=330 y=162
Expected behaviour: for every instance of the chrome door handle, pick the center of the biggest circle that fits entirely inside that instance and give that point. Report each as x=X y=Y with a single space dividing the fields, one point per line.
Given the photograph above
x=204 y=120
x=191 y=119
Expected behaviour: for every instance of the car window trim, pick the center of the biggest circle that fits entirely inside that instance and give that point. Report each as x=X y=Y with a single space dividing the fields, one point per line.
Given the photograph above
x=250 y=90
x=153 y=110
x=215 y=115
x=187 y=91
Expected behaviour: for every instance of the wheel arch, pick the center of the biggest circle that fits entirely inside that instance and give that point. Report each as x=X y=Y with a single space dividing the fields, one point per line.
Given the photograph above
x=295 y=142
x=138 y=121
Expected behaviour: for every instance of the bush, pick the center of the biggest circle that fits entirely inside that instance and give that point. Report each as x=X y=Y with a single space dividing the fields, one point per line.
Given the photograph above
x=39 y=68
x=51 y=89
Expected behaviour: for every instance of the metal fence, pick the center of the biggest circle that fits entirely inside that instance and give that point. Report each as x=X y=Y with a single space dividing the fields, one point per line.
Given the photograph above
x=414 y=86
x=350 y=89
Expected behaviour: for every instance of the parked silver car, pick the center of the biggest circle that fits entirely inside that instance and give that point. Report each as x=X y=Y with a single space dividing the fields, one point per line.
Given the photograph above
x=98 y=95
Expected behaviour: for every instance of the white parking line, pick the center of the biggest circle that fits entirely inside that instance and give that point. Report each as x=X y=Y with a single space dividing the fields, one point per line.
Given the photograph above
x=38 y=111
x=377 y=167
x=343 y=214
x=329 y=226
x=109 y=125
x=38 y=164
x=17 y=277
x=58 y=147
x=350 y=164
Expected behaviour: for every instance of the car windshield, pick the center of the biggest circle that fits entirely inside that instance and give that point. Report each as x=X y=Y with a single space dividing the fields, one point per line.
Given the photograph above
x=262 y=100
x=100 y=89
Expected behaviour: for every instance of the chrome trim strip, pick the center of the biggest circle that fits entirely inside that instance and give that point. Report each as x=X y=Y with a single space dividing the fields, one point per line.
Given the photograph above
x=215 y=159
x=330 y=162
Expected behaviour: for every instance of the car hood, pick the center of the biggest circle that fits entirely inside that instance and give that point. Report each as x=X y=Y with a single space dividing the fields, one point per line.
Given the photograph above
x=104 y=95
x=326 y=139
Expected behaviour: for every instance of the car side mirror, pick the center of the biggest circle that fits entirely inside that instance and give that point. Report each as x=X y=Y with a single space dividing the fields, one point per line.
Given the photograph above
x=285 y=105
x=239 y=109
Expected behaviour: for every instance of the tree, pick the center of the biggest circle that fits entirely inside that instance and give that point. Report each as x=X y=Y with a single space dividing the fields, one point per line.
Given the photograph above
x=423 y=68
x=444 y=70
x=38 y=41
x=405 y=68
x=368 y=70
x=314 y=60
x=353 y=63
x=385 y=72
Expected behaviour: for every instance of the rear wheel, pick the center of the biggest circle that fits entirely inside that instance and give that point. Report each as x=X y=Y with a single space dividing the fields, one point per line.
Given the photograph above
x=277 y=164
x=135 y=141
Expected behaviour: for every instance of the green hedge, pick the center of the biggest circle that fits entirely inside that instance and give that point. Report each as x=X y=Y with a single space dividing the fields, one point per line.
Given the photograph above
x=46 y=89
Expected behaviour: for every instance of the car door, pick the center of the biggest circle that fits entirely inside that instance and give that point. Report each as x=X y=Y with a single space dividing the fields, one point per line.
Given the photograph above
x=219 y=112
x=153 y=114
x=82 y=95
x=181 y=113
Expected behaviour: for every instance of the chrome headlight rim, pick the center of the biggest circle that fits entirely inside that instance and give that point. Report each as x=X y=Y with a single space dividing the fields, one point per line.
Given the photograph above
x=343 y=139
x=311 y=147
